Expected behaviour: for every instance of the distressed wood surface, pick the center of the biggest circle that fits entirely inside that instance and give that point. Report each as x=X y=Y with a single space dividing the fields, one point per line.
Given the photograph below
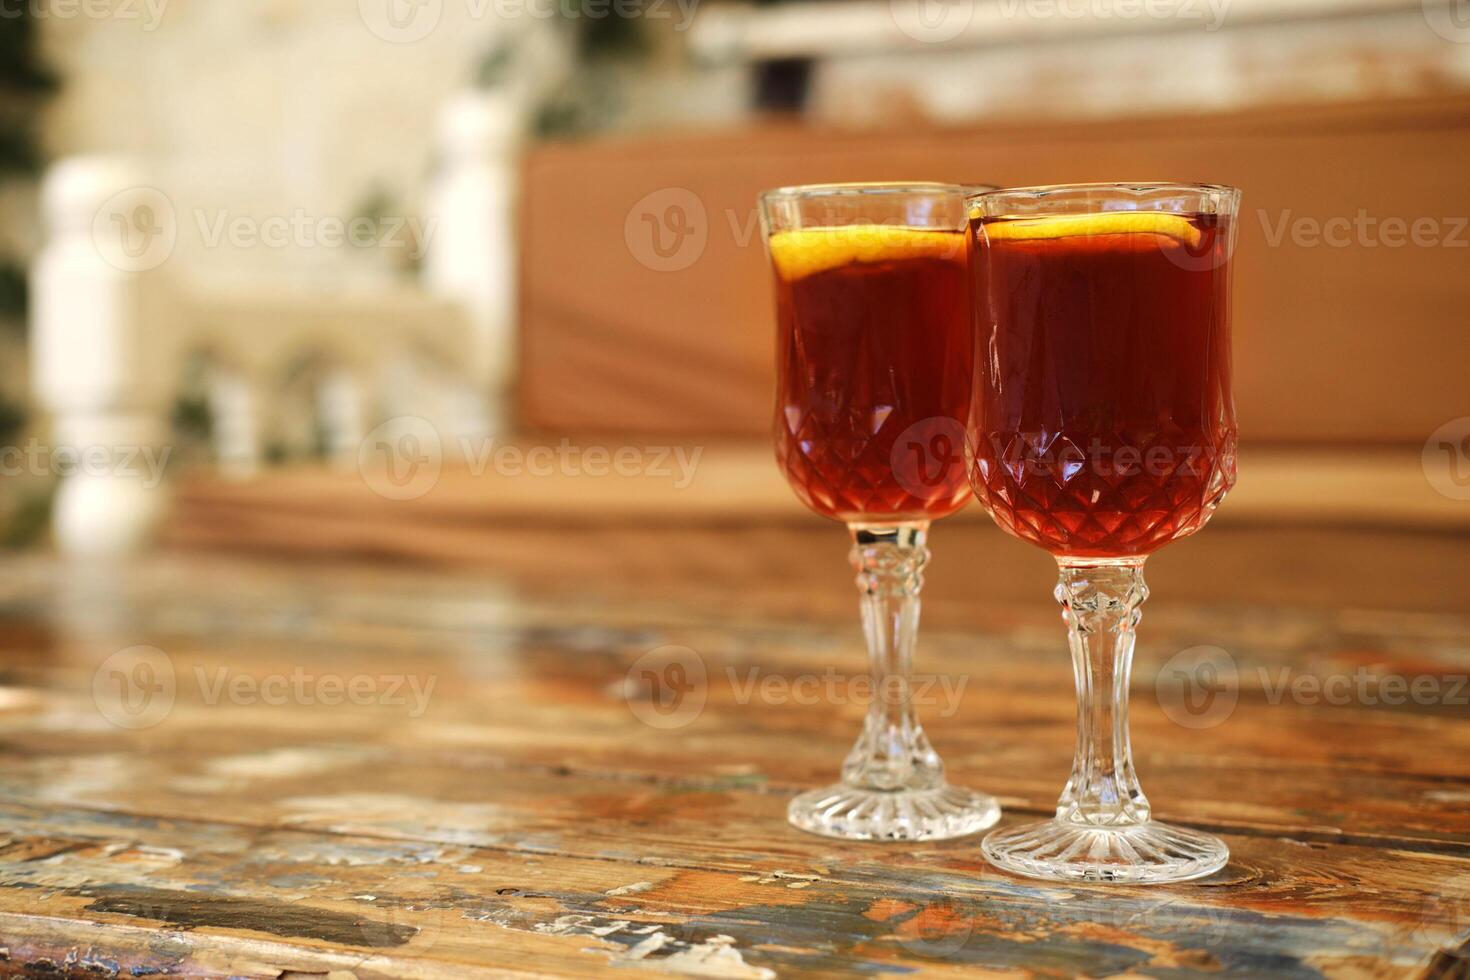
x=330 y=769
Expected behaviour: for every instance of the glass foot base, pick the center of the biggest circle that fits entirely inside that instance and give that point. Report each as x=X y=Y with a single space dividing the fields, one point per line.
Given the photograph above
x=858 y=814
x=1142 y=854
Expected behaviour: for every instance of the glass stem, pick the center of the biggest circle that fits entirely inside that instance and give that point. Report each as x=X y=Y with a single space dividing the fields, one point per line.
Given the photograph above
x=893 y=753
x=1100 y=605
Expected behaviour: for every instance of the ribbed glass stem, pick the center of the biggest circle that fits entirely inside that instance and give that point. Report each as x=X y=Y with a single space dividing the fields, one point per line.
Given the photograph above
x=1100 y=604
x=893 y=753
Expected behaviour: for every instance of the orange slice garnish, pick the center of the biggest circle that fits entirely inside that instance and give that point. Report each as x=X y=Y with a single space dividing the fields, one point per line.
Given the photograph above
x=807 y=251
x=1172 y=226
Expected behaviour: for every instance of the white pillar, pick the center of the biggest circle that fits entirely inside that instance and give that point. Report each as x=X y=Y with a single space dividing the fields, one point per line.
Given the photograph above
x=471 y=248
x=235 y=409
x=341 y=406
x=101 y=352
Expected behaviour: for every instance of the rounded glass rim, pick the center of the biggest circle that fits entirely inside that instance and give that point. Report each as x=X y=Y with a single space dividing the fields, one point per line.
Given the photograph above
x=863 y=188
x=1138 y=186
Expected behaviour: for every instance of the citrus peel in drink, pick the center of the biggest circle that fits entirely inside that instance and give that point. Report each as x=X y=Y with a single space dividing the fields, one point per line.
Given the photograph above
x=807 y=251
x=1174 y=226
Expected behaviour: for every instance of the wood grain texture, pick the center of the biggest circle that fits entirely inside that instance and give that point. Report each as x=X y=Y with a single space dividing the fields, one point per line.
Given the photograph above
x=711 y=482
x=492 y=800
x=1351 y=338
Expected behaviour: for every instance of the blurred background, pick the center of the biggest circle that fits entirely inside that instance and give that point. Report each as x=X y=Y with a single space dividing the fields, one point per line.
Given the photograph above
x=429 y=344
x=432 y=279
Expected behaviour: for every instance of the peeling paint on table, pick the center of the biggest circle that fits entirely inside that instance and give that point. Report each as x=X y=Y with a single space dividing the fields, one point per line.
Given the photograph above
x=529 y=823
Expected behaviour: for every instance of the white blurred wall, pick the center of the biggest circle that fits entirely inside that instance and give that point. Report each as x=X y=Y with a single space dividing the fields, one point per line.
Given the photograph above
x=262 y=109
x=884 y=62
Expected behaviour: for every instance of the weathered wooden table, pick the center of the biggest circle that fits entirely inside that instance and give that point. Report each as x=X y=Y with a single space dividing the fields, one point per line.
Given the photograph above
x=326 y=768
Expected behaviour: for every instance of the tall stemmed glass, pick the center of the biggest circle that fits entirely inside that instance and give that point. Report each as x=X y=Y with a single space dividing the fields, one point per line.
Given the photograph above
x=1103 y=428
x=874 y=353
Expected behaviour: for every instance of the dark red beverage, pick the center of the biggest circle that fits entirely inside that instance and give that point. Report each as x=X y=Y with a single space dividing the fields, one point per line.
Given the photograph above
x=1103 y=425
x=875 y=360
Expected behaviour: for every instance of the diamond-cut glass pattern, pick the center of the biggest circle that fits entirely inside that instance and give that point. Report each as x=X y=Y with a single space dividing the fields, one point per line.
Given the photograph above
x=876 y=362
x=1097 y=503
x=1103 y=423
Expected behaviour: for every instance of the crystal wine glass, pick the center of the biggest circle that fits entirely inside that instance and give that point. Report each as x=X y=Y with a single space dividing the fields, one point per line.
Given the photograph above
x=1103 y=428
x=874 y=354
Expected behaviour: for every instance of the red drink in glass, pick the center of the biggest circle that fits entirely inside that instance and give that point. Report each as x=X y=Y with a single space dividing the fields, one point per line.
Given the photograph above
x=1103 y=423
x=875 y=359
x=874 y=365
x=1103 y=428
